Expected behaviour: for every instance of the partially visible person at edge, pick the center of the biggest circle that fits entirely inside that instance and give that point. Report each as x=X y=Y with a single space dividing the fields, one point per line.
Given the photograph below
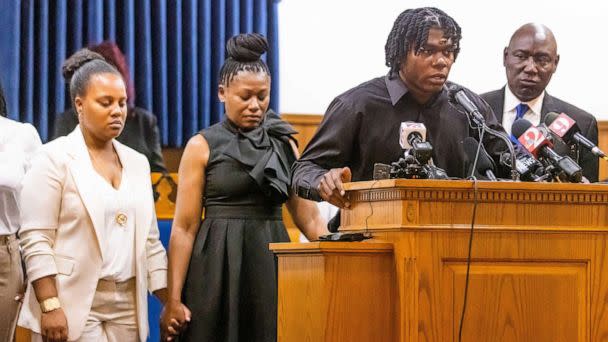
x=530 y=60
x=361 y=126
x=141 y=129
x=18 y=142
x=91 y=247
x=222 y=276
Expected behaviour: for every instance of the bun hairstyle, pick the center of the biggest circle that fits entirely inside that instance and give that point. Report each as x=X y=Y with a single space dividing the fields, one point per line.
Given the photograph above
x=78 y=69
x=243 y=53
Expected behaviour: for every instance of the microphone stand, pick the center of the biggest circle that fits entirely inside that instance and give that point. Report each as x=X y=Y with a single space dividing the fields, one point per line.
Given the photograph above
x=476 y=117
x=514 y=173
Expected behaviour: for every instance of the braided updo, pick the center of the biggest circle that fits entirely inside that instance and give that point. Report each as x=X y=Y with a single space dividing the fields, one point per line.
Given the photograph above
x=243 y=53
x=78 y=69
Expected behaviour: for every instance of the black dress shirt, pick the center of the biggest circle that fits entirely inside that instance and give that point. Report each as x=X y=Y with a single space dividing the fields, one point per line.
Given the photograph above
x=361 y=127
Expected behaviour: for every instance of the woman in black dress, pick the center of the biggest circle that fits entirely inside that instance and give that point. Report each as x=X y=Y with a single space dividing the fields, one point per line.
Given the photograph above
x=222 y=277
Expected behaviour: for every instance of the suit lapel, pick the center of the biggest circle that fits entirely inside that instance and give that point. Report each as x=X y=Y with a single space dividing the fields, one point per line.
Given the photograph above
x=139 y=185
x=81 y=169
x=547 y=106
x=499 y=105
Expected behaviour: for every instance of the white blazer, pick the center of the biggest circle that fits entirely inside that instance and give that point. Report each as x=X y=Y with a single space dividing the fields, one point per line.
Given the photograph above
x=62 y=214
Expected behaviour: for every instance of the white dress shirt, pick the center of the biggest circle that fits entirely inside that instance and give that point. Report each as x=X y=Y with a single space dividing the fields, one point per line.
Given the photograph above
x=18 y=141
x=117 y=236
x=532 y=115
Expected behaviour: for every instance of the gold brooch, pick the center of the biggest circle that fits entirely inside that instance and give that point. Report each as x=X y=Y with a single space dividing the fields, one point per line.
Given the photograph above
x=121 y=219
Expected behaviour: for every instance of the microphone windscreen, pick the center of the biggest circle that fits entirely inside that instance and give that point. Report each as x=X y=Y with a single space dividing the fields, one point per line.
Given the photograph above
x=550 y=117
x=452 y=90
x=470 y=148
x=484 y=162
x=520 y=126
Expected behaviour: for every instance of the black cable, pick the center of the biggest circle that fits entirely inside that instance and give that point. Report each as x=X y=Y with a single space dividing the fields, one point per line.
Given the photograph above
x=481 y=130
x=466 y=285
x=371 y=207
x=495 y=133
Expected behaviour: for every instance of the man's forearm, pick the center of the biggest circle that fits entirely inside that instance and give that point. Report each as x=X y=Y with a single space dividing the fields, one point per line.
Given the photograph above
x=305 y=179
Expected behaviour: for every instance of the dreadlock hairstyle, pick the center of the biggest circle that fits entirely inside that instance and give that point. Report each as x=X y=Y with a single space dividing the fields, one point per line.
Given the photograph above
x=243 y=53
x=80 y=67
x=3 y=109
x=412 y=27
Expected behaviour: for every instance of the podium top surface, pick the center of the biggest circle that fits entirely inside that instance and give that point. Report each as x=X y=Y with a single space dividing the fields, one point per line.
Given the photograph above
x=438 y=204
x=468 y=185
x=371 y=246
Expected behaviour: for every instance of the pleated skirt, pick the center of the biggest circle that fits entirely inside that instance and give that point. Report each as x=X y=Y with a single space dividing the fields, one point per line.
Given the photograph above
x=231 y=285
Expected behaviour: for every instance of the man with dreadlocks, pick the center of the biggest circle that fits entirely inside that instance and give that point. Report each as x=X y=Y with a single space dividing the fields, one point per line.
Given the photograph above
x=361 y=126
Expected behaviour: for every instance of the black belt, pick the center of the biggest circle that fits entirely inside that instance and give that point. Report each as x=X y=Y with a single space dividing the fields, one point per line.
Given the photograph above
x=253 y=212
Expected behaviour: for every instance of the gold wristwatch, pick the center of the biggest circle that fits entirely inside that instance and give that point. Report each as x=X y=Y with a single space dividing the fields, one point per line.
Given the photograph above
x=50 y=304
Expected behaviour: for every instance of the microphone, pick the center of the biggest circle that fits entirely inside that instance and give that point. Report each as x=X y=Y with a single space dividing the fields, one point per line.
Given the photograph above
x=566 y=128
x=458 y=95
x=412 y=136
x=527 y=166
x=535 y=142
x=410 y=133
x=530 y=137
x=485 y=164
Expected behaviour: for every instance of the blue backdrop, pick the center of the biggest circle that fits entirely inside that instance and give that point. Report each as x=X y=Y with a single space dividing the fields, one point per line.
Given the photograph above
x=175 y=49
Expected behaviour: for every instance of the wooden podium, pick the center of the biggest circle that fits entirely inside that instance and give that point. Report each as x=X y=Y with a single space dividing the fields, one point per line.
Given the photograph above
x=539 y=268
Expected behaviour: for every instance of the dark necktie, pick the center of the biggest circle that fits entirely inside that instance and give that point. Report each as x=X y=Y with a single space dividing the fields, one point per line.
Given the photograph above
x=520 y=110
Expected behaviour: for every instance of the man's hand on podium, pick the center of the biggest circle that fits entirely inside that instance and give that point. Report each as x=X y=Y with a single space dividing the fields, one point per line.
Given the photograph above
x=331 y=189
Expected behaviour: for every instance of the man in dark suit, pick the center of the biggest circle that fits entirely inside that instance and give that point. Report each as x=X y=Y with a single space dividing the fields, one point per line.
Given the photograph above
x=530 y=60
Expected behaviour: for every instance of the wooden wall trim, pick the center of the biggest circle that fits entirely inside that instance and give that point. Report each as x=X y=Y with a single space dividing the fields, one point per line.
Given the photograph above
x=303 y=119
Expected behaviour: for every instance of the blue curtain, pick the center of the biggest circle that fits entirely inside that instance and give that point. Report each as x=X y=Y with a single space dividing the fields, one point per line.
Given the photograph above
x=175 y=49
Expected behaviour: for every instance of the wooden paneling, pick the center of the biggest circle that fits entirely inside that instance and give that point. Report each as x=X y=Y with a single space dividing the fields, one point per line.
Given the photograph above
x=538 y=258
x=322 y=270
x=172 y=156
x=305 y=124
x=507 y=298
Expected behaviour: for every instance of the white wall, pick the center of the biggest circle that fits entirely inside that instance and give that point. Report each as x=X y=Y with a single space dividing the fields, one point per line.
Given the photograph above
x=329 y=46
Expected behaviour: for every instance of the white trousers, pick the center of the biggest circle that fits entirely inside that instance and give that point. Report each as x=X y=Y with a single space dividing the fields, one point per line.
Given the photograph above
x=113 y=315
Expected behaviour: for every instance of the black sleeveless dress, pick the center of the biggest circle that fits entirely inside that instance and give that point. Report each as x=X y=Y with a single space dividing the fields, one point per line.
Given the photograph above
x=231 y=285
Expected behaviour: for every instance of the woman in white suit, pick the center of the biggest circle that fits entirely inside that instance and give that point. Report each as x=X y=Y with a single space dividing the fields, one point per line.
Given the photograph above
x=89 y=235
x=18 y=142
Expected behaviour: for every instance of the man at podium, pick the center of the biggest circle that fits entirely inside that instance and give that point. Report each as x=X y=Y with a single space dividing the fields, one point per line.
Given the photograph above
x=361 y=126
